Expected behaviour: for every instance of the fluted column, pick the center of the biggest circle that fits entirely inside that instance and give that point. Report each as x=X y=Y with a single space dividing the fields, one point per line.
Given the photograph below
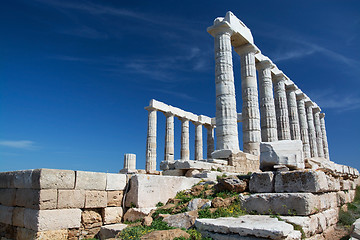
x=325 y=141
x=312 y=133
x=151 y=140
x=226 y=114
x=198 y=141
x=319 y=140
x=293 y=112
x=210 y=140
x=267 y=105
x=304 y=129
x=169 y=137
x=281 y=108
x=250 y=105
x=185 y=151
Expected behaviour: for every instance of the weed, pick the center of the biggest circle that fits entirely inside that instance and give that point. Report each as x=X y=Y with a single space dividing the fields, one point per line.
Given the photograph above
x=234 y=210
x=159 y=204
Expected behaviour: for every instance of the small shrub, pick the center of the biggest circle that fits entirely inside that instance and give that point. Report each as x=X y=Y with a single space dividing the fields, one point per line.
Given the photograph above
x=184 y=196
x=226 y=194
x=134 y=233
x=234 y=210
x=159 y=204
x=219 y=169
x=132 y=205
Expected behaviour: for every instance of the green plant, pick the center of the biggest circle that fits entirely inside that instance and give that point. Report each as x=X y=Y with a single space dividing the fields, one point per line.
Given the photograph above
x=184 y=196
x=132 y=205
x=347 y=218
x=219 y=169
x=226 y=194
x=159 y=204
x=233 y=210
x=134 y=233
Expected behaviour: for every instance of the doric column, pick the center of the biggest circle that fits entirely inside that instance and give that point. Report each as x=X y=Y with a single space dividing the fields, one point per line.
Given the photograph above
x=130 y=161
x=198 y=141
x=293 y=112
x=210 y=140
x=185 y=151
x=319 y=139
x=312 y=134
x=281 y=108
x=226 y=115
x=325 y=141
x=304 y=129
x=151 y=141
x=267 y=105
x=250 y=105
x=169 y=137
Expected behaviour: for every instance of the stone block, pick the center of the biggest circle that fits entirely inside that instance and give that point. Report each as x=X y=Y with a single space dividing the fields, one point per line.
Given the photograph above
x=115 y=181
x=7 y=180
x=18 y=217
x=221 y=154
x=23 y=179
x=174 y=172
x=327 y=201
x=182 y=220
x=262 y=182
x=6 y=214
x=7 y=196
x=53 y=179
x=71 y=198
x=114 y=198
x=27 y=234
x=36 y=199
x=147 y=190
x=190 y=164
x=112 y=215
x=56 y=219
x=284 y=152
x=167 y=165
x=301 y=181
x=135 y=214
x=90 y=180
x=110 y=231
x=355 y=229
x=95 y=199
x=302 y=204
x=91 y=219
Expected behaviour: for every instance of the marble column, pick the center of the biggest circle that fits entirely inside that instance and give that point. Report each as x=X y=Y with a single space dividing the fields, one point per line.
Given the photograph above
x=226 y=114
x=250 y=105
x=312 y=134
x=130 y=161
x=281 y=108
x=304 y=129
x=198 y=141
x=324 y=136
x=210 y=140
x=169 y=137
x=267 y=105
x=185 y=151
x=150 y=165
x=293 y=112
x=319 y=140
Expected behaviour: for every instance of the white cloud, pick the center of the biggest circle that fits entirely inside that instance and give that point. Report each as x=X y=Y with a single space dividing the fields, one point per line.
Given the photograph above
x=20 y=144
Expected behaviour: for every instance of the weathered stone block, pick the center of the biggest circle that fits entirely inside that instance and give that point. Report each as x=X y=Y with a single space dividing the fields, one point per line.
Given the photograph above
x=114 y=198
x=7 y=180
x=174 y=172
x=36 y=199
x=91 y=219
x=6 y=214
x=95 y=199
x=56 y=219
x=284 y=152
x=7 y=196
x=190 y=164
x=301 y=181
x=182 y=220
x=147 y=190
x=262 y=182
x=112 y=215
x=53 y=179
x=18 y=217
x=27 y=234
x=134 y=214
x=71 y=198
x=355 y=229
x=23 y=179
x=115 y=181
x=90 y=180
x=110 y=231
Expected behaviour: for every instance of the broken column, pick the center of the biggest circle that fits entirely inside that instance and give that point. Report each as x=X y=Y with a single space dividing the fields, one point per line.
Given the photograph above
x=169 y=137
x=129 y=163
x=250 y=106
x=319 y=140
x=150 y=165
x=281 y=108
x=324 y=136
x=312 y=134
x=185 y=151
x=198 y=141
x=304 y=130
x=293 y=112
x=267 y=105
x=226 y=115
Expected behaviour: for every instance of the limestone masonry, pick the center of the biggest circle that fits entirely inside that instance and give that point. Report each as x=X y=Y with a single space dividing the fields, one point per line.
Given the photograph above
x=283 y=167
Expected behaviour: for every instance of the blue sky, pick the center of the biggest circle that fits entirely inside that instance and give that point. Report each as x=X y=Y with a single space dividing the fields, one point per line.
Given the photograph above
x=75 y=76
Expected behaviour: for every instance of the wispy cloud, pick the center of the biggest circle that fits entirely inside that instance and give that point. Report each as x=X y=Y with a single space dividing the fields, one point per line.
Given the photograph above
x=178 y=94
x=20 y=144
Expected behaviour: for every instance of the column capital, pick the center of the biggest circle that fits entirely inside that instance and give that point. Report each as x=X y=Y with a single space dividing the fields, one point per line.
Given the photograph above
x=150 y=108
x=220 y=26
x=196 y=123
x=309 y=104
x=291 y=87
x=247 y=48
x=322 y=115
x=183 y=119
x=316 y=110
x=168 y=114
x=300 y=96
x=266 y=63
x=279 y=77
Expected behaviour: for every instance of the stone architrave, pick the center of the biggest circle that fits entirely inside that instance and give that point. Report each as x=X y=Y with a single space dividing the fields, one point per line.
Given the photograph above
x=281 y=108
x=319 y=138
x=312 y=134
x=151 y=140
x=304 y=129
x=198 y=141
x=226 y=114
x=169 y=137
x=293 y=112
x=185 y=150
x=267 y=105
x=250 y=107
x=210 y=140
x=325 y=141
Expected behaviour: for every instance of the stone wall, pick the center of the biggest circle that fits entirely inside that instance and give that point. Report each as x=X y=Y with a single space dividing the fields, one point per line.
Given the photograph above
x=58 y=204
